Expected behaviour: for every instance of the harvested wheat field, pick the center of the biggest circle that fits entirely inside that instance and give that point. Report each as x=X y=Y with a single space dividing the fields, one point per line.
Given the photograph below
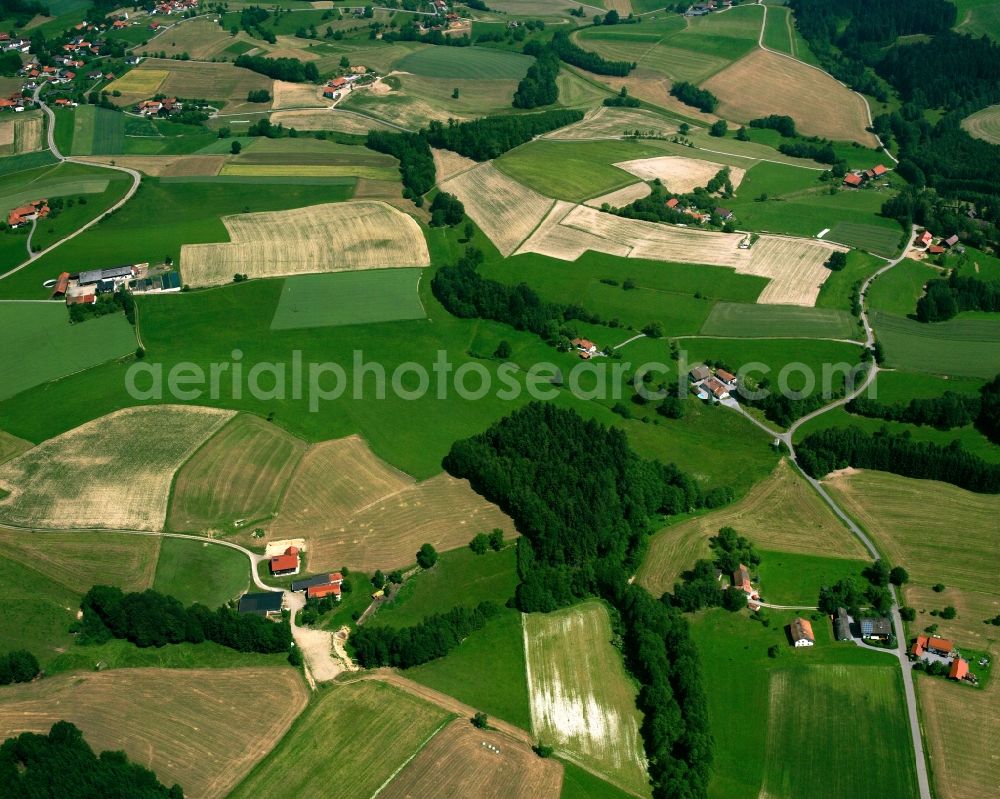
x=72 y=559
x=28 y=133
x=448 y=164
x=621 y=197
x=504 y=209
x=794 y=266
x=463 y=761
x=679 y=174
x=582 y=699
x=780 y=513
x=333 y=237
x=356 y=510
x=202 y=728
x=336 y=119
x=764 y=83
x=238 y=475
x=963 y=764
x=112 y=473
x=163 y=165
x=296 y=95
x=613 y=123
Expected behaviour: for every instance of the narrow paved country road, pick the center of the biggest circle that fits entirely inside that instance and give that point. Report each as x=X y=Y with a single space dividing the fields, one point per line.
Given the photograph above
x=786 y=438
x=51 y=136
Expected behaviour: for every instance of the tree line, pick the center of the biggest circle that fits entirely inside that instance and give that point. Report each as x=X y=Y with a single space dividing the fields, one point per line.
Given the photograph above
x=409 y=32
x=62 y=764
x=572 y=54
x=18 y=665
x=944 y=412
x=538 y=86
x=489 y=137
x=839 y=447
x=150 y=618
x=585 y=517
x=689 y=94
x=288 y=69
x=416 y=162
x=944 y=298
x=432 y=638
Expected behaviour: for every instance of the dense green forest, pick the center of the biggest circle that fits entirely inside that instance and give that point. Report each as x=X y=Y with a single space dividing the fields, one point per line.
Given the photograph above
x=61 y=765
x=578 y=57
x=416 y=162
x=538 y=86
x=584 y=503
x=18 y=665
x=945 y=298
x=785 y=125
x=289 y=69
x=150 y=618
x=432 y=638
x=839 y=447
x=489 y=137
x=691 y=95
x=944 y=412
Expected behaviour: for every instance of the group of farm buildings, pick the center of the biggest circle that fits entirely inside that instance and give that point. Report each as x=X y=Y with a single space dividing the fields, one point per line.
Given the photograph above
x=285 y=564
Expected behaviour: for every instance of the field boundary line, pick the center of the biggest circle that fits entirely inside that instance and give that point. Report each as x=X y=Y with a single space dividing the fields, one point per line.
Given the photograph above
x=406 y=762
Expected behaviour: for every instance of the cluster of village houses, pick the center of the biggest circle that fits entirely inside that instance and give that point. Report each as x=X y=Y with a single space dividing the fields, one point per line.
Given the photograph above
x=700 y=216
x=712 y=384
x=335 y=86
x=925 y=241
x=164 y=107
x=285 y=564
x=931 y=649
x=83 y=288
x=857 y=178
x=701 y=9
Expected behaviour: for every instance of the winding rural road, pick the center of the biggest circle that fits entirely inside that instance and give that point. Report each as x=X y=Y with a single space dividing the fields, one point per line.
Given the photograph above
x=51 y=136
x=786 y=438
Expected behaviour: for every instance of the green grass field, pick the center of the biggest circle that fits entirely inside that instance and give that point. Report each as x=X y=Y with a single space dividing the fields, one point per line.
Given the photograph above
x=585 y=168
x=460 y=578
x=664 y=292
x=21 y=163
x=881 y=240
x=56 y=347
x=795 y=579
x=967 y=346
x=978 y=18
x=348 y=298
x=36 y=611
x=98 y=131
x=838 y=288
x=353 y=737
x=897 y=291
x=798 y=725
x=984 y=124
x=475 y=63
x=486 y=671
x=778 y=31
x=580 y=784
x=766 y=321
x=582 y=699
x=205 y=573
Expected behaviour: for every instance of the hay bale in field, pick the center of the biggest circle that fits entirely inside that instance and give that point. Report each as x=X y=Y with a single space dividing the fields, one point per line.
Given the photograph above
x=332 y=237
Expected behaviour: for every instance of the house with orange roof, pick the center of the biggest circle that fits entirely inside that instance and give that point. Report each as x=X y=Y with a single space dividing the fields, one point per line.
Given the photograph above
x=853 y=180
x=924 y=239
x=286 y=563
x=801 y=633
x=37 y=209
x=959 y=669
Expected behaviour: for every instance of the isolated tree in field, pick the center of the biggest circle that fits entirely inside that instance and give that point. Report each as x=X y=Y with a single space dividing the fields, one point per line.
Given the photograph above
x=480 y=721
x=949 y=613
x=378 y=579
x=684 y=129
x=468 y=231
x=503 y=350
x=718 y=129
x=836 y=261
x=937 y=588
x=480 y=543
x=427 y=556
x=611 y=18
x=773 y=651
x=18 y=666
x=235 y=148
x=455 y=93
x=742 y=134
x=898 y=575
x=496 y=539
x=908 y=614
x=345 y=62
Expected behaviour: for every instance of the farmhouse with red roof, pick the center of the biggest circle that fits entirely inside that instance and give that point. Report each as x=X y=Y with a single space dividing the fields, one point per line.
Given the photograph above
x=287 y=563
